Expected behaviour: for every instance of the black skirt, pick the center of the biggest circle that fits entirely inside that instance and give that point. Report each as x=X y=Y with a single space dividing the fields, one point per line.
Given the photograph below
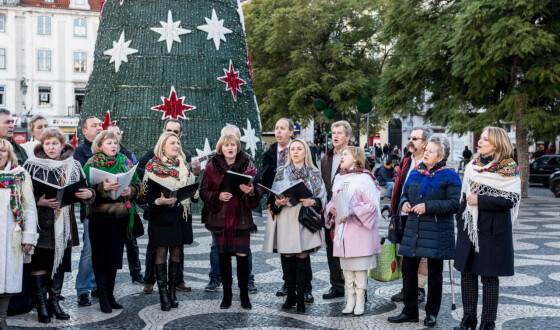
x=168 y=228
x=239 y=242
x=43 y=259
x=107 y=236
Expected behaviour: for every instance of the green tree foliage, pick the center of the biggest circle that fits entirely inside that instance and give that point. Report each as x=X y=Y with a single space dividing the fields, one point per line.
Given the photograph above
x=481 y=62
x=305 y=50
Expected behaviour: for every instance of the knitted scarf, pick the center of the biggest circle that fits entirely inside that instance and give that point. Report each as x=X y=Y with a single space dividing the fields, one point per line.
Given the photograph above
x=492 y=179
x=114 y=164
x=430 y=180
x=169 y=173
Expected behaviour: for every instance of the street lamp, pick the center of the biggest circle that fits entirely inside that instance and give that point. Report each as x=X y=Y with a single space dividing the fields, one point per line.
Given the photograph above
x=23 y=86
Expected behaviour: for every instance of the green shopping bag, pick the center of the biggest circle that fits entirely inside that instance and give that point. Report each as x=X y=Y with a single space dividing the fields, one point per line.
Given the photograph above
x=387 y=264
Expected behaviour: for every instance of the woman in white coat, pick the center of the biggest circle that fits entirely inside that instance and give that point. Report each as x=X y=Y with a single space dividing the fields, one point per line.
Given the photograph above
x=18 y=225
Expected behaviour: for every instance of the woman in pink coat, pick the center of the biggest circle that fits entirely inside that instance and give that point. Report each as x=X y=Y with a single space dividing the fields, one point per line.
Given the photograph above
x=355 y=241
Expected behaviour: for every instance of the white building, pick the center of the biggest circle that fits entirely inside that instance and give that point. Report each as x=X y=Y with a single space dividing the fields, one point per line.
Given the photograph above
x=46 y=56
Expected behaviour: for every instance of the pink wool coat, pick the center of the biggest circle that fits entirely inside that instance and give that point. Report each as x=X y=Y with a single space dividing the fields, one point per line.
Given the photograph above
x=361 y=238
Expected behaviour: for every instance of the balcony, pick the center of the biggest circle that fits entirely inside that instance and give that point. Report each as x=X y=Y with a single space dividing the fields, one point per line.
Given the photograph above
x=9 y=2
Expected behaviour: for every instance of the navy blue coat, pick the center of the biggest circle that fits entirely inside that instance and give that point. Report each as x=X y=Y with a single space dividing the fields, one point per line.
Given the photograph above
x=432 y=234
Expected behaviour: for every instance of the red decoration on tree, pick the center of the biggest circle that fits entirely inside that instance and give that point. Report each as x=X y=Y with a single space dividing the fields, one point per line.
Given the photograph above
x=107 y=122
x=75 y=139
x=173 y=107
x=250 y=66
x=232 y=80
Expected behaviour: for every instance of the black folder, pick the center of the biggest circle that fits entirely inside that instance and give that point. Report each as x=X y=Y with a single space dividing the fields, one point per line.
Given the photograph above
x=155 y=189
x=64 y=195
x=232 y=181
x=294 y=192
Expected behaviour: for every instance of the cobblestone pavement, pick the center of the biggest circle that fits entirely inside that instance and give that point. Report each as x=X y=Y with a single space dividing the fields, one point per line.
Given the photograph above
x=528 y=300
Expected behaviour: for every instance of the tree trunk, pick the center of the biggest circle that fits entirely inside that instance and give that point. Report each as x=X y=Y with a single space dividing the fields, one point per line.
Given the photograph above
x=522 y=150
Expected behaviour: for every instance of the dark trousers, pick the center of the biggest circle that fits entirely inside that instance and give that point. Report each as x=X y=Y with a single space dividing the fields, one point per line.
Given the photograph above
x=410 y=286
x=336 y=274
x=133 y=256
x=490 y=296
x=149 y=274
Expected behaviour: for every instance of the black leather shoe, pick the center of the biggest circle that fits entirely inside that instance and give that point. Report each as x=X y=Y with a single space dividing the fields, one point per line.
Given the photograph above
x=430 y=320
x=333 y=293
x=398 y=297
x=283 y=291
x=402 y=318
x=308 y=298
x=468 y=322
x=83 y=300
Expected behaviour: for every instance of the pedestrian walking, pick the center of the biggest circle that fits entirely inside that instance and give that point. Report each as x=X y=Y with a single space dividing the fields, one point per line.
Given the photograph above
x=385 y=178
x=491 y=195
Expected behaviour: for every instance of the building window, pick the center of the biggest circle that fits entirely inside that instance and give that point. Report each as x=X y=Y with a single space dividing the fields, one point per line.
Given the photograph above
x=79 y=27
x=44 y=60
x=80 y=61
x=48 y=0
x=2 y=23
x=44 y=25
x=2 y=95
x=44 y=96
x=2 y=58
x=80 y=2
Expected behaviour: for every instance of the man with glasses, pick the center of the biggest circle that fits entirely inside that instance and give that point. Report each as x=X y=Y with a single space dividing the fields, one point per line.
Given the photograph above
x=416 y=144
x=174 y=126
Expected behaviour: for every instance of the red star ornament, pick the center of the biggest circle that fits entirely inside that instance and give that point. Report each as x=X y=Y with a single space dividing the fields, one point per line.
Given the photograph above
x=232 y=80
x=173 y=107
x=107 y=121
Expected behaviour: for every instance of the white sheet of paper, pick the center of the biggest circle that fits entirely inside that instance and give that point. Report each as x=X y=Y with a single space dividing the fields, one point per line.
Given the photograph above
x=341 y=205
x=96 y=176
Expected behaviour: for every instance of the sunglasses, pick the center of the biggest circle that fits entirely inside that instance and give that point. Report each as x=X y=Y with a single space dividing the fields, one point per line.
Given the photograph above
x=176 y=132
x=415 y=138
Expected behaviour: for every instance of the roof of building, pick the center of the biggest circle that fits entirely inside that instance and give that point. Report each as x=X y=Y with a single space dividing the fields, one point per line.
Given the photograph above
x=95 y=5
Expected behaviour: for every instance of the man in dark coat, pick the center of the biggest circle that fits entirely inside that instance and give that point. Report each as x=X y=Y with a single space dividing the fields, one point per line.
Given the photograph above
x=7 y=133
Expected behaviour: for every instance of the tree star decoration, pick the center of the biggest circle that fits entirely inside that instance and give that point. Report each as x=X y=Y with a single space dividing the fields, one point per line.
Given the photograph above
x=173 y=107
x=250 y=138
x=240 y=13
x=107 y=122
x=120 y=51
x=121 y=2
x=215 y=29
x=170 y=31
x=206 y=151
x=232 y=80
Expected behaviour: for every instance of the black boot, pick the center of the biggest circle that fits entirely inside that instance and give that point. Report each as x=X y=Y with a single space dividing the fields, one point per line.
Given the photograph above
x=101 y=280
x=225 y=273
x=40 y=292
x=111 y=278
x=55 y=288
x=161 y=275
x=243 y=281
x=289 y=270
x=468 y=322
x=175 y=272
x=4 y=302
x=487 y=326
x=302 y=270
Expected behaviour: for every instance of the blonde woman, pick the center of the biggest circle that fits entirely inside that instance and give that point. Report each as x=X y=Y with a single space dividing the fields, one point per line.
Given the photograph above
x=356 y=238
x=284 y=233
x=168 y=219
x=18 y=220
x=491 y=195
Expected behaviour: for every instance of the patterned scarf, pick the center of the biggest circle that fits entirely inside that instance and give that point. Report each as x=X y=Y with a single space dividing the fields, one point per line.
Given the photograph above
x=310 y=177
x=14 y=182
x=430 y=181
x=168 y=169
x=114 y=164
x=359 y=170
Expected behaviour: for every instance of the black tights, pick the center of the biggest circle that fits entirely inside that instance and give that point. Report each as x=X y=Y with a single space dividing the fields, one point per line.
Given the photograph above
x=161 y=254
x=490 y=296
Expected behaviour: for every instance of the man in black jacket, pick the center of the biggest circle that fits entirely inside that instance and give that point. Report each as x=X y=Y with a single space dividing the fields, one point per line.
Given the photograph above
x=7 y=133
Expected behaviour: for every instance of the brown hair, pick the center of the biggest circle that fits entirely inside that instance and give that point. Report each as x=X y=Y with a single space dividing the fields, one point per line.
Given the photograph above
x=12 y=158
x=225 y=139
x=358 y=154
x=158 y=151
x=100 y=138
x=51 y=132
x=499 y=138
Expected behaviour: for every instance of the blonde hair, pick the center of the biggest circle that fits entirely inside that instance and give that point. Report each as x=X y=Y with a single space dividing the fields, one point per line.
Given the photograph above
x=100 y=138
x=12 y=158
x=158 y=151
x=358 y=154
x=499 y=138
x=307 y=160
x=225 y=139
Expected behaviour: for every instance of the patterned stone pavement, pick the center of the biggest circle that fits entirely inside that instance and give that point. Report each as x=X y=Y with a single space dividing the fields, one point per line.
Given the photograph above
x=529 y=300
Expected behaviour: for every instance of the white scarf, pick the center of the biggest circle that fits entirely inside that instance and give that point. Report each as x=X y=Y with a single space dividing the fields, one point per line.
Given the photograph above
x=478 y=181
x=66 y=172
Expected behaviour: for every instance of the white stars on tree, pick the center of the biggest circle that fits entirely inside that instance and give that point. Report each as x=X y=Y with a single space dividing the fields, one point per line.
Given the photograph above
x=250 y=138
x=215 y=29
x=206 y=151
x=170 y=31
x=120 y=51
x=240 y=13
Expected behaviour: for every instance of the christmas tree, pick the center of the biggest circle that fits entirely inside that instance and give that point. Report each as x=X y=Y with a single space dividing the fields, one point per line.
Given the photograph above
x=182 y=59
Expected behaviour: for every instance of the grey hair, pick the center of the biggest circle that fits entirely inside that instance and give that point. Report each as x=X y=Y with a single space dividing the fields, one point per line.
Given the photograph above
x=426 y=132
x=291 y=125
x=33 y=120
x=443 y=145
x=232 y=127
x=345 y=124
x=4 y=111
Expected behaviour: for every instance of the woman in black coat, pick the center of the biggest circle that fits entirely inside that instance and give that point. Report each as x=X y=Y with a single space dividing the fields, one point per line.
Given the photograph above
x=170 y=223
x=489 y=205
x=431 y=198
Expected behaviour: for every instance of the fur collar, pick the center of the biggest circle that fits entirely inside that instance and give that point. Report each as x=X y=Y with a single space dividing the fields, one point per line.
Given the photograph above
x=67 y=152
x=240 y=165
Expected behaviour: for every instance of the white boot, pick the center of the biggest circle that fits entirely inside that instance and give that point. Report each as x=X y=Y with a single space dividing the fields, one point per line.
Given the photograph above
x=360 y=278
x=350 y=292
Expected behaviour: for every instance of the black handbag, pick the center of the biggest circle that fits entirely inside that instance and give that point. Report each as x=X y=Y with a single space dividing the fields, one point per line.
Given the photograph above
x=310 y=219
x=396 y=228
x=137 y=227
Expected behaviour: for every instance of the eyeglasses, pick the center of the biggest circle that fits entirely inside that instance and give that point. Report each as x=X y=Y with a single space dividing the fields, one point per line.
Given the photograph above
x=176 y=132
x=415 y=138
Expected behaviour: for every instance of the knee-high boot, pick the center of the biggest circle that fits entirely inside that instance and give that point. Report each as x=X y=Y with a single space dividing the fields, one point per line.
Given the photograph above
x=289 y=270
x=302 y=272
x=349 y=280
x=243 y=281
x=225 y=273
x=111 y=278
x=40 y=292
x=360 y=278
x=101 y=281
x=161 y=275
x=54 y=289
x=174 y=275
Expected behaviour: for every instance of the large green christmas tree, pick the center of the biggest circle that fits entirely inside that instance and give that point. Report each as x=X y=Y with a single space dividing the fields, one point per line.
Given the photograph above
x=184 y=59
